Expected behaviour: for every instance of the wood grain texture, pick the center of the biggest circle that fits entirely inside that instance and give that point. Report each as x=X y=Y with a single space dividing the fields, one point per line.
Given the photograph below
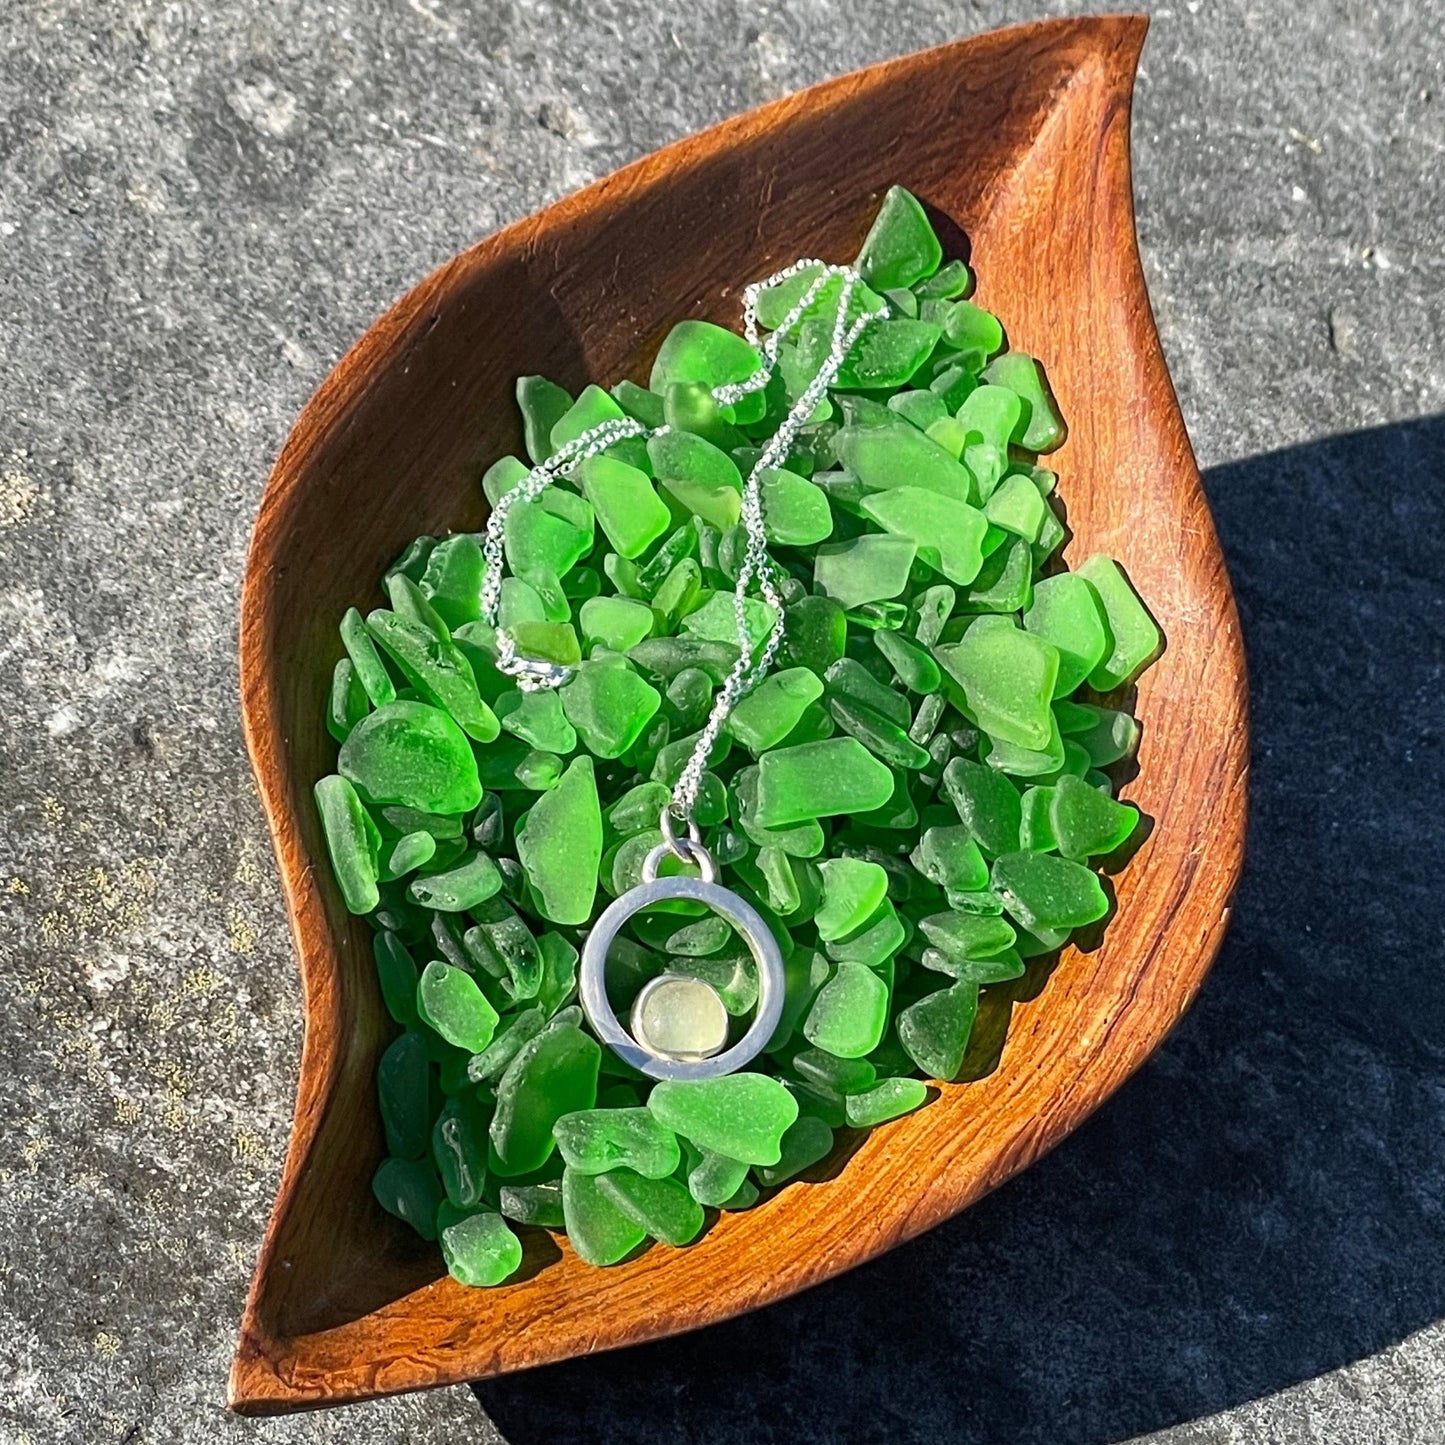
x=1020 y=138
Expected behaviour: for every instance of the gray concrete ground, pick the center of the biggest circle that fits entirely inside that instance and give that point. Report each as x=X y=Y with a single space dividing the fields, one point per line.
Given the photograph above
x=201 y=205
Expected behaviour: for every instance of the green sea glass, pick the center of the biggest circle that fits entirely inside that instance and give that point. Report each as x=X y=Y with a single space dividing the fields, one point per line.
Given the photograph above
x=412 y=754
x=817 y=780
x=596 y=1140
x=850 y=1012
x=553 y=1074
x=477 y=1245
x=743 y=1116
x=449 y=1000
x=662 y=1208
x=1134 y=637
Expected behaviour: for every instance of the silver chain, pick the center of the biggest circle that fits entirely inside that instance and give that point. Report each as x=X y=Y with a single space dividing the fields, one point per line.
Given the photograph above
x=533 y=674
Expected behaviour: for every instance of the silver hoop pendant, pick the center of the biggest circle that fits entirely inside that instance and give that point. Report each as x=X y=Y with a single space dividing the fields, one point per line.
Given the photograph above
x=592 y=974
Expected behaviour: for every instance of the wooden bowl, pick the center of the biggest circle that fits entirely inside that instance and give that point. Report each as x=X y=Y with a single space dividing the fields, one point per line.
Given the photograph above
x=1019 y=138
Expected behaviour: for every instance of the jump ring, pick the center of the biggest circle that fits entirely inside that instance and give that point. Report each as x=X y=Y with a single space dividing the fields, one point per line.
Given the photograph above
x=684 y=848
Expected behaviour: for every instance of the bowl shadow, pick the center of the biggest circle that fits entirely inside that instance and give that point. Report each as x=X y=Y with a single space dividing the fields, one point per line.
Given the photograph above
x=1266 y=1200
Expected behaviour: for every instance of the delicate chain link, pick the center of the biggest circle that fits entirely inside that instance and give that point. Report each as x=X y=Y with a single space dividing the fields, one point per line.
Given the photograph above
x=533 y=674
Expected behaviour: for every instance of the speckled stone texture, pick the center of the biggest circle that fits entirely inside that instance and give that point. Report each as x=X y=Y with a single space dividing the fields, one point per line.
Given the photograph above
x=201 y=205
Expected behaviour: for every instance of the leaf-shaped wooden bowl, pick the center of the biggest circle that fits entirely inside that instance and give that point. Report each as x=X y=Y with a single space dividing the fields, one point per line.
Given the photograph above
x=1019 y=138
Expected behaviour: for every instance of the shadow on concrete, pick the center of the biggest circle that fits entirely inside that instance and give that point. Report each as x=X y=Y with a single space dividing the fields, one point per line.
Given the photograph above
x=1265 y=1201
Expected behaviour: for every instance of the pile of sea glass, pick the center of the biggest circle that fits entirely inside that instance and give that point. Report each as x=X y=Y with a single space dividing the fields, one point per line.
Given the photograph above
x=913 y=798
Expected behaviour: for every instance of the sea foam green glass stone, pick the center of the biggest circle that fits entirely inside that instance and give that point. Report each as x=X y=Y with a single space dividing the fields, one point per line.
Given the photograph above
x=766 y=715
x=743 y=1116
x=1042 y=891
x=901 y=247
x=537 y=718
x=848 y=678
x=625 y=503
x=1133 y=635
x=1040 y=428
x=868 y=568
x=1016 y=506
x=935 y=1030
x=609 y=704
x=975 y=333
x=1008 y=677
x=816 y=780
x=852 y=890
x=874 y=942
x=949 y=857
x=947 y=533
x=1109 y=737
x=807 y=1140
x=967 y=935
x=814 y=633
x=593 y=1141
x=596 y=1228
x=716 y=619
x=662 y=1207
x=899 y=455
x=352 y=842
x=559 y=845
x=1066 y=612
x=413 y=754
x=478 y=1247
x=1086 y=821
x=553 y=532
x=888 y=1099
x=553 y=1074
x=449 y=1000
x=912 y=666
x=795 y=512
x=850 y=1012
x=888 y=354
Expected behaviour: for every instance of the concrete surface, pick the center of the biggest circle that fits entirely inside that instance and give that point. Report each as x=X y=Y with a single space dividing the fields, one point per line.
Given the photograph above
x=201 y=205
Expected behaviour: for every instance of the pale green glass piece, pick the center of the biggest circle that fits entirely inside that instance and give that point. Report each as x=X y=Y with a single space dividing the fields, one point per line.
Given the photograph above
x=412 y=754
x=1066 y=612
x=699 y=351
x=502 y=476
x=352 y=842
x=479 y=1248
x=1004 y=582
x=637 y=810
x=850 y=1013
x=1019 y=762
x=988 y=804
x=1133 y=635
x=402 y=1091
x=1086 y=822
x=732 y=975
x=689 y=696
x=459 y=1149
x=884 y=739
x=592 y=407
x=912 y=666
x=1008 y=677
x=1040 y=427
x=535 y=1204
x=553 y=1074
x=596 y=1228
x=931 y=610
x=361 y=649
x=638 y=402
x=520 y=602
x=992 y=415
x=552 y=533
x=678 y=593
x=795 y=512
x=537 y=718
x=897 y=454
x=625 y=504
x=409 y=1189
x=609 y=703
x=967 y=935
x=901 y=247
x=346 y=703
x=807 y=1141
x=949 y=857
x=716 y=620
x=559 y=845
x=684 y=457
x=950 y=280
x=947 y=533
x=547 y=642
x=935 y=1030
x=975 y=333
x=1017 y=507
x=449 y=1000
x=1044 y=892
x=715 y=1178
x=1036 y=826
x=452 y=582
x=922 y=408
x=662 y=1207
x=543 y=404
x=512 y=1032
x=819 y=779
x=437 y=669
x=617 y=624
x=457 y=887
x=408 y=601
x=868 y=568
x=593 y=1141
x=888 y=1099
x=741 y=1115
x=766 y=715
x=719 y=505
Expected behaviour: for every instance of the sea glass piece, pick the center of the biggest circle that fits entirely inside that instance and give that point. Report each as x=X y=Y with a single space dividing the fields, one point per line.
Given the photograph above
x=552 y=1074
x=409 y=1189
x=478 y=1246
x=592 y=407
x=974 y=333
x=1109 y=737
x=396 y=972
x=408 y=601
x=1016 y=506
x=1086 y=822
x=625 y=504
x=535 y=1204
x=1066 y=612
x=513 y=1032
x=900 y=247
x=593 y=1141
x=1019 y=762
x=346 y=702
x=412 y=754
x=1008 y=677
x=807 y=1140
x=716 y=620
x=814 y=633
x=1043 y=891
x=537 y=718
x=888 y=354
x=352 y=842
x=449 y=1000
x=403 y=1093
x=609 y=703
x=988 y=804
x=931 y=610
x=852 y=890
x=935 y=1030
x=741 y=1115
x=949 y=856
x=922 y=408
x=638 y=402
x=459 y=1148
x=678 y=592
x=452 y=582
x=690 y=407
x=683 y=456
x=818 y=780
x=559 y=844
x=1040 y=427
x=504 y=474
x=543 y=404
x=457 y=887
x=874 y=942
x=884 y=739
x=662 y=1207
x=828 y=1071
x=1036 y=826
x=771 y=711
x=868 y=568
x=795 y=512
x=370 y=669
x=438 y=671
x=552 y=533
x=699 y=351
x=1133 y=635
x=715 y=1178
x=967 y=935
x=887 y=1099
x=1004 y=582
x=912 y=666
x=897 y=454
x=947 y=533
x=850 y=1012
x=596 y=1228
x=718 y=505
x=776 y=301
